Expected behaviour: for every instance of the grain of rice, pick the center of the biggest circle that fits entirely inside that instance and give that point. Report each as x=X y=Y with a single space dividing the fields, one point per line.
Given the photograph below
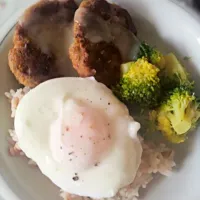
x=15 y=97
x=31 y=162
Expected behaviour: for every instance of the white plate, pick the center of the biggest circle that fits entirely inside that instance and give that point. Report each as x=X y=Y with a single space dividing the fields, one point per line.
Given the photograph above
x=161 y=23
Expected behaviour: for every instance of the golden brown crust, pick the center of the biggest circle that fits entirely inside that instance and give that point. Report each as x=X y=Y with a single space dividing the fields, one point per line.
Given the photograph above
x=29 y=65
x=103 y=59
x=105 y=66
x=27 y=62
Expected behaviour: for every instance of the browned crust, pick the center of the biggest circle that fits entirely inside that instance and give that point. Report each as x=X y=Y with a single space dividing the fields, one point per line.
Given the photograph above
x=26 y=61
x=101 y=60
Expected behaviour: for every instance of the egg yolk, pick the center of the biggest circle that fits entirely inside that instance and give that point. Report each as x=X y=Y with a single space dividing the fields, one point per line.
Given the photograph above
x=80 y=135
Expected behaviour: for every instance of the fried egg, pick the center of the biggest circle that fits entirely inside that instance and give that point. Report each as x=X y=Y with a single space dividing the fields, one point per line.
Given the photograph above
x=80 y=135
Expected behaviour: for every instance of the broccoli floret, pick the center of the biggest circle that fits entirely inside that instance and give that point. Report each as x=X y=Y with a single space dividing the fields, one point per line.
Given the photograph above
x=139 y=83
x=153 y=55
x=178 y=114
x=173 y=74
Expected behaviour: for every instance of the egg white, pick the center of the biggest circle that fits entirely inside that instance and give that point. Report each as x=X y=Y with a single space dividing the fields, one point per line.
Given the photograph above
x=40 y=108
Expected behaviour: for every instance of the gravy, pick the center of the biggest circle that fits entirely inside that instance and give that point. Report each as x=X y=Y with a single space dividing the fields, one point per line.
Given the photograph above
x=51 y=33
x=96 y=29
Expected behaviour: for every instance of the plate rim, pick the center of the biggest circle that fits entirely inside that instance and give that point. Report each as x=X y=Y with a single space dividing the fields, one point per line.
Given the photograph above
x=5 y=191
x=12 y=20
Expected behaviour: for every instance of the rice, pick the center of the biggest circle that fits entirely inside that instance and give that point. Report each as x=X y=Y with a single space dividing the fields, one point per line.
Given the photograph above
x=155 y=159
x=15 y=97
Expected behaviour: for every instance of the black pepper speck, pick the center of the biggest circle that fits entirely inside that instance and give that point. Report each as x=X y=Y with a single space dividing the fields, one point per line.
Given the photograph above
x=75 y=178
x=96 y=164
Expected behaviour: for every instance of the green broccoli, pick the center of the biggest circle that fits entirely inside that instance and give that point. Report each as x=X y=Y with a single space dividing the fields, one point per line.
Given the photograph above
x=139 y=83
x=151 y=54
x=173 y=74
x=178 y=114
